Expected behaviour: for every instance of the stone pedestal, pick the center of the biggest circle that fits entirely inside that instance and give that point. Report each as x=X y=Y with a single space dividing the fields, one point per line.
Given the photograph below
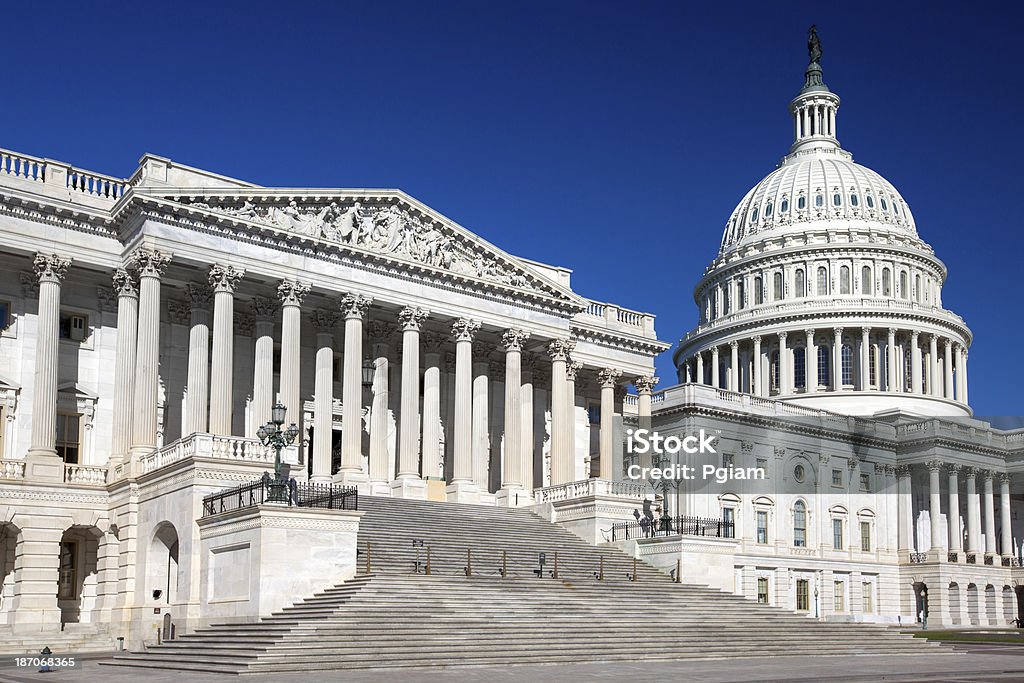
x=463 y=492
x=512 y=497
x=44 y=467
x=413 y=488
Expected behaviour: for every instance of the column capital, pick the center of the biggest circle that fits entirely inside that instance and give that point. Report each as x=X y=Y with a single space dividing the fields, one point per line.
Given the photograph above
x=179 y=312
x=263 y=308
x=645 y=383
x=782 y=337
x=324 y=321
x=572 y=368
x=892 y=331
x=381 y=331
x=890 y=470
x=934 y=465
x=608 y=377
x=464 y=329
x=481 y=351
x=865 y=331
x=986 y=474
x=224 y=278
x=903 y=470
x=292 y=292
x=512 y=339
x=1004 y=478
x=914 y=334
x=837 y=331
x=714 y=351
x=411 y=318
x=199 y=295
x=881 y=468
x=50 y=267
x=734 y=344
x=954 y=468
x=948 y=342
x=149 y=262
x=433 y=341
x=559 y=349
x=969 y=472
x=756 y=339
x=809 y=332
x=125 y=284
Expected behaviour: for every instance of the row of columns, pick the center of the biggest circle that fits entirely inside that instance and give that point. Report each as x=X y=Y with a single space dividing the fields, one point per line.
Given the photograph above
x=931 y=374
x=975 y=500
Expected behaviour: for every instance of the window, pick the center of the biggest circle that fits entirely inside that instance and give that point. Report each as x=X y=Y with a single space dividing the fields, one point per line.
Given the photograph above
x=753 y=215
x=803 y=601
x=68 y=437
x=837 y=534
x=726 y=302
x=758 y=292
x=837 y=199
x=741 y=295
x=865 y=537
x=839 y=591
x=762 y=463
x=762 y=526
x=871 y=201
x=823 y=369
x=784 y=206
x=907 y=369
x=728 y=459
x=594 y=414
x=801 y=202
x=73 y=326
x=865 y=481
x=837 y=477
x=66 y=571
x=774 y=362
x=885 y=206
x=886 y=282
x=867 y=591
x=799 y=473
x=728 y=523
x=853 y=200
x=800 y=521
x=800 y=367
x=872 y=366
x=904 y=292
x=844 y=280
x=799 y=284
x=822 y=281
x=865 y=280
x=777 y=289
x=768 y=210
x=846 y=353
x=819 y=200
x=762 y=590
x=917 y=288
x=5 y=314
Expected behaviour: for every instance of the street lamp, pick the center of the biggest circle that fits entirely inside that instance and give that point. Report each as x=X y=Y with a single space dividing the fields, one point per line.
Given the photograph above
x=272 y=435
x=662 y=461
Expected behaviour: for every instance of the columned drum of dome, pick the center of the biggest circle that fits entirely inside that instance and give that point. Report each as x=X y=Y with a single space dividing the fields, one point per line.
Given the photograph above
x=824 y=288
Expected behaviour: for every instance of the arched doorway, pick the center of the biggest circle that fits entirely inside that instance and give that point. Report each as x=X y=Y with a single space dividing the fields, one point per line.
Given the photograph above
x=78 y=574
x=954 y=603
x=9 y=538
x=920 y=601
x=162 y=565
x=973 y=607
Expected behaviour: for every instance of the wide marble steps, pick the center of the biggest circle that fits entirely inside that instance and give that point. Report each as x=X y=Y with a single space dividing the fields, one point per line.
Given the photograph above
x=391 y=617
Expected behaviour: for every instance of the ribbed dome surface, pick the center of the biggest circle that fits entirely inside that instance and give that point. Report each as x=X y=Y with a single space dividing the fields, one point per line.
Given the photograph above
x=824 y=185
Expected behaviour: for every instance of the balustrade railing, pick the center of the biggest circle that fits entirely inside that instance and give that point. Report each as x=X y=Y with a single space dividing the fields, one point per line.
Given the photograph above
x=673 y=526
x=75 y=180
x=210 y=446
x=289 y=493
x=589 y=487
x=85 y=474
x=12 y=469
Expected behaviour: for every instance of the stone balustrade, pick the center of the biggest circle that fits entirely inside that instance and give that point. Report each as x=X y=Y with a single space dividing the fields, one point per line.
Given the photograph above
x=12 y=469
x=90 y=475
x=589 y=487
x=208 y=446
x=73 y=180
x=619 y=319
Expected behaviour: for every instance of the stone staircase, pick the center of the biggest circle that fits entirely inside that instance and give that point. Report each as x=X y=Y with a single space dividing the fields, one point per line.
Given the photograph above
x=75 y=638
x=392 y=617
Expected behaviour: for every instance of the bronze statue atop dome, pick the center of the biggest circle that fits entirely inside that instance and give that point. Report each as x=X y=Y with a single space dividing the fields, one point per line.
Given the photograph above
x=813 y=44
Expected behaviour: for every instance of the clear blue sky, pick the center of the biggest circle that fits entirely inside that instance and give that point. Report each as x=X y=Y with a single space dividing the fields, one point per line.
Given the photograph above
x=612 y=138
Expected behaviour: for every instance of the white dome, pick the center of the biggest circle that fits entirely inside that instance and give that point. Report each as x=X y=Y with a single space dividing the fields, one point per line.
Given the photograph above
x=817 y=186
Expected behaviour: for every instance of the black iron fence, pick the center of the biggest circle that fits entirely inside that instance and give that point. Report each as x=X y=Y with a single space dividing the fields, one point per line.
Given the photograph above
x=283 y=492
x=673 y=526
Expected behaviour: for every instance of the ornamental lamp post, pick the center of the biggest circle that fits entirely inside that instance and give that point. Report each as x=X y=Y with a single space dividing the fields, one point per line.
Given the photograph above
x=661 y=461
x=272 y=435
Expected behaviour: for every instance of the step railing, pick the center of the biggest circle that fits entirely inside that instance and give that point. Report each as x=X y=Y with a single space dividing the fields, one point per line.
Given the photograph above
x=281 y=492
x=673 y=526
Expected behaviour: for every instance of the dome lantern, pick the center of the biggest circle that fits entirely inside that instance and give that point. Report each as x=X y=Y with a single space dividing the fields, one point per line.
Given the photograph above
x=814 y=109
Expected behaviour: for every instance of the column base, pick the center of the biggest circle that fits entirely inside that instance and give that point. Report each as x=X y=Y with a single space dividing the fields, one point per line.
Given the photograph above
x=380 y=488
x=44 y=465
x=357 y=479
x=513 y=497
x=463 y=492
x=413 y=489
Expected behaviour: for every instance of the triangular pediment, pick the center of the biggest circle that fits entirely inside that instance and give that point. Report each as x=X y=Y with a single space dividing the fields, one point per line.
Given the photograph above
x=385 y=224
x=77 y=390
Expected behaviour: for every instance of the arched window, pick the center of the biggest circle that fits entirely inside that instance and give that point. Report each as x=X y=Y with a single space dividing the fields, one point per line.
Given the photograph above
x=844 y=280
x=822 y=281
x=871 y=201
x=823 y=361
x=777 y=287
x=758 y=292
x=801 y=202
x=799 y=524
x=908 y=366
x=741 y=299
x=784 y=206
x=725 y=300
x=853 y=200
x=872 y=366
x=885 y=205
x=917 y=288
x=753 y=215
x=837 y=199
x=714 y=303
x=846 y=357
x=886 y=282
x=774 y=370
x=819 y=200
x=799 y=285
x=904 y=291
x=768 y=210
x=799 y=367
x=865 y=280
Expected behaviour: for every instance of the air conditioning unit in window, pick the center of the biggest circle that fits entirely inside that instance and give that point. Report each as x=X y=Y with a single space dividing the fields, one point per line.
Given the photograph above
x=77 y=327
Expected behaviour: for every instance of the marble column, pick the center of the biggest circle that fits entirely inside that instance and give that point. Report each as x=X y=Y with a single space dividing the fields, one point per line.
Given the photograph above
x=956 y=539
x=890 y=351
x=463 y=488
x=50 y=270
x=933 y=375
x=608 y=378
x=353 y=310
x=379 y=456
x=947 y=362
x=810 y=363
x=223 y=280
x=432 y=455
x=915 y=363
x=935 y=504
x=865 y=359
x=1005 y=522
x=905 y=531
x=572 y=371
x=325 y=323
x=263 y=360
x=408 y=483
x=734 y=366
x=150 y=265
x=959 y=351
x=973 y=511
x=562 y=457
x=756 y=383
x=481 y=415
x=990 y=514
x=716 y=380
x=700 y=367
x=198 y=387
x=127 y=289
x=514 y=454
x=526 y=403
x=291 y=293
x=965 y=394
x=837 y=359
x=785 y=385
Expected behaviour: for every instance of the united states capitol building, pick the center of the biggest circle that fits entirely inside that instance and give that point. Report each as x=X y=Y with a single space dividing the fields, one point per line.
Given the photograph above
x=149 y=324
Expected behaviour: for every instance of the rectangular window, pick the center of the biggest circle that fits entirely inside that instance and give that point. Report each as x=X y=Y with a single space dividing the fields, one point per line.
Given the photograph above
x=837 y=534
x=66 y=571
x=762 y=464
x=728 y=459
x=865 y=481
x=69 y=433
x=865 y=537
x=840 y=595
x=5 y=314
x=594 y=414
x=73 y=326
x=762 y=590
x=837 y=477
x=803 y=602
x=867 y=590
x=762 y=526
x=728 y=523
